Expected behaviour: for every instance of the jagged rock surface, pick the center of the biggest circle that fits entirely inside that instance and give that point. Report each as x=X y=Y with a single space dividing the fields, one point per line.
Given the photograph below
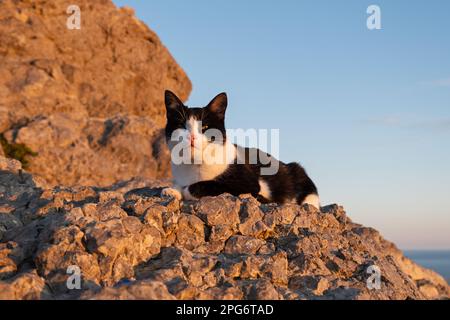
x=131 y=243
x=89 y=101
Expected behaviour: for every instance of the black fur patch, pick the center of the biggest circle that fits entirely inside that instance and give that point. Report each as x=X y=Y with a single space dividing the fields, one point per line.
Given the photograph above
x=289 y=183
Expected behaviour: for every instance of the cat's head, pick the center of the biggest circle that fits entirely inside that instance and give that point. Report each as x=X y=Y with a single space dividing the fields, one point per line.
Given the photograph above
x=197 y=127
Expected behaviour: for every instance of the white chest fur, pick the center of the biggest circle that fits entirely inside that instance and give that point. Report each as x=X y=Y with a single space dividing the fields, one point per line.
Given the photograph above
x=187 y=174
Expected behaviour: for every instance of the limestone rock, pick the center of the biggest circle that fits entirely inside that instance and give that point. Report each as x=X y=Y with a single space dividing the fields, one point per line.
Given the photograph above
x=26 y=286
x=129 y=242
x=89 y=101
x=141 y=290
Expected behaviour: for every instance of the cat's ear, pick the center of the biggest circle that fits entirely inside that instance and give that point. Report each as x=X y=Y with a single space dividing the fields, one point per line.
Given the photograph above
x=172 y=101
x=219 y=104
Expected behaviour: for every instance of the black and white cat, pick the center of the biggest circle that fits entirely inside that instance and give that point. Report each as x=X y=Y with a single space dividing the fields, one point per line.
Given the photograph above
x=205 y=163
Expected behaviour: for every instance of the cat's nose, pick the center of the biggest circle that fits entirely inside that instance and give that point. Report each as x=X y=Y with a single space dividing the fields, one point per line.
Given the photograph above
x=192 y=137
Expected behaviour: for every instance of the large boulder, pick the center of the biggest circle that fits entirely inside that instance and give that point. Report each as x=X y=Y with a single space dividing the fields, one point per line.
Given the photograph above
x=89 y=102
x=129 y=242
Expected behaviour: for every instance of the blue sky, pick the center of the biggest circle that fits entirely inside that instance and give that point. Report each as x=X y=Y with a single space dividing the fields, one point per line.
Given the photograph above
x=366 y=112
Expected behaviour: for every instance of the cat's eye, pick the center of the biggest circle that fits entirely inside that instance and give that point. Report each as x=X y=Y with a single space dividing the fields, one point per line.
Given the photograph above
x=204 y=127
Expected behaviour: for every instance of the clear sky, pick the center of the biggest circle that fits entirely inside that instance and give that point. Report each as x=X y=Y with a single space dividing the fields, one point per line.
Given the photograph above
x=366 y=112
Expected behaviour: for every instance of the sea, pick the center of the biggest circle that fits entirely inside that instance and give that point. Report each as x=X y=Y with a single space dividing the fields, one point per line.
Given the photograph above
x=437 y=260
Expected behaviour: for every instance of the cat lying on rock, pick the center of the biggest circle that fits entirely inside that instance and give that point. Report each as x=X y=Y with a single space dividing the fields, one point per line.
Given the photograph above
x=206 y=163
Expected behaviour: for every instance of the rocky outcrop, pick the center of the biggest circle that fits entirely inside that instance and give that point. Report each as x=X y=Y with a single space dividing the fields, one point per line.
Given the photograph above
x=128 y=242
x=90 y=101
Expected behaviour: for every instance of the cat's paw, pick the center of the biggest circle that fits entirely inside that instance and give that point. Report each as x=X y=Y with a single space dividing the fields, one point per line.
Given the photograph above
x=187 y=195
x=171 y=192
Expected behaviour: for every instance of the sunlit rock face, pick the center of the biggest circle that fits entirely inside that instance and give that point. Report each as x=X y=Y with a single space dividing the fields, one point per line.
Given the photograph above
x=129 y=242
x=89 y=102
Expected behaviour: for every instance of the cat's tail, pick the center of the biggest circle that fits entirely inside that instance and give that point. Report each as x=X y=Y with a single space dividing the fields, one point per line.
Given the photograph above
x=305 y=189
